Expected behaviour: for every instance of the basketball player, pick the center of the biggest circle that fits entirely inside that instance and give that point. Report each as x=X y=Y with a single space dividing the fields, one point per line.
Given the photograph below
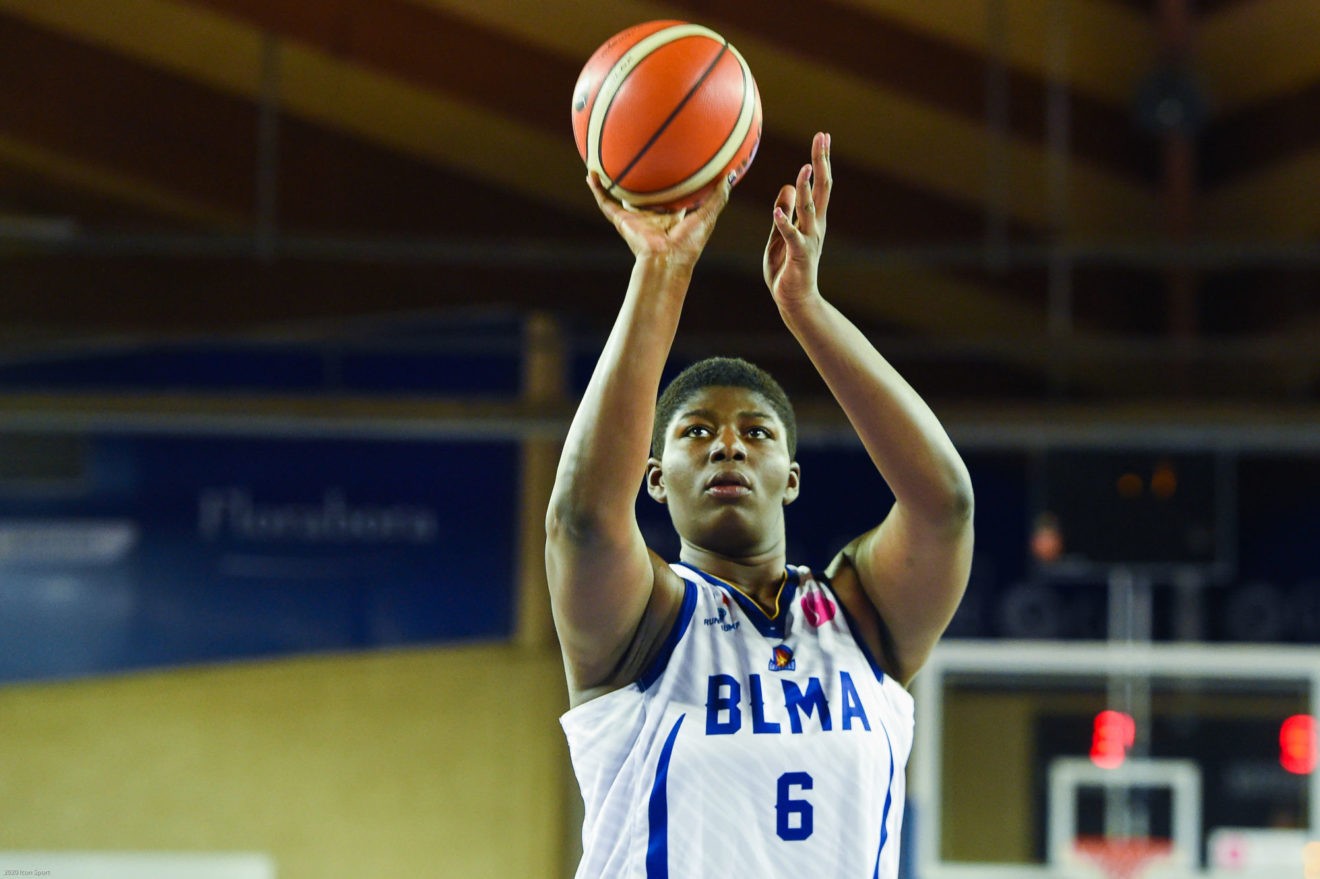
x=733 y=715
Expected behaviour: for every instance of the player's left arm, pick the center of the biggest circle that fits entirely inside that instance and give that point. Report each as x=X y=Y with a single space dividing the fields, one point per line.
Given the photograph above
x=913 y=566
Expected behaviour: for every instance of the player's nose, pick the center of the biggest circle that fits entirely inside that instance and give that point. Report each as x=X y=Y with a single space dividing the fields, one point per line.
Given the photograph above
x=728 y=444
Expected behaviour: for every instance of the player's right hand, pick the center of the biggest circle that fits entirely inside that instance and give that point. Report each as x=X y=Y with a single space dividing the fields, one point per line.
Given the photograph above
x=677 y=237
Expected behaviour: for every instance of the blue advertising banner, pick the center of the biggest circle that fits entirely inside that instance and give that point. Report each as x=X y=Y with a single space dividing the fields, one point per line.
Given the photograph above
x=157 y=550
x=175 y=549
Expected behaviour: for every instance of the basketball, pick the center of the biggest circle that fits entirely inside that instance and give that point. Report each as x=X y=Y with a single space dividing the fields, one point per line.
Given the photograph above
x=663 y=111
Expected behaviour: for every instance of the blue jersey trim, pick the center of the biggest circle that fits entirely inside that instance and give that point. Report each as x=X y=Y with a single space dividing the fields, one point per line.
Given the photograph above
x=657 y=811
x=852 y=630
x=657 y=667
x=771 y=627
x=889 y=801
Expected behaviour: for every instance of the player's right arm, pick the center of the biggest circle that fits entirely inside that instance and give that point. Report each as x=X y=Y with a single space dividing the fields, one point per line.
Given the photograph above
x=612 y=598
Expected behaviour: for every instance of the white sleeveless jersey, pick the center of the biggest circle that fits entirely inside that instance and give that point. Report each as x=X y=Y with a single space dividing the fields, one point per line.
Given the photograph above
x=755 y=746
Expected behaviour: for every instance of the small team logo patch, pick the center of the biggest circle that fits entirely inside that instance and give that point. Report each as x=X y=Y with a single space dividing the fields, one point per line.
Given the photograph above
x=818 y=609
x=781 y=659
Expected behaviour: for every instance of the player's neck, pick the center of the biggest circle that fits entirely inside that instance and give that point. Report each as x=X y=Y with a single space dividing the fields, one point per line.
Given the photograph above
x=760 y=577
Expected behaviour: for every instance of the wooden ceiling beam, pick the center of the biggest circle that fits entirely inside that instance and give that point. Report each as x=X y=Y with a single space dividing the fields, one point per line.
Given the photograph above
x=1276 y=203
x=81 y=174
x=1252 y=52
x=884 y=133
x=222 y=53
x=882 y=130
x=1107 y=48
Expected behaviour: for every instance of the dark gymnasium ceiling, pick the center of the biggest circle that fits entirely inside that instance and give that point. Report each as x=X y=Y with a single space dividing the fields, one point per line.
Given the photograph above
x=1084 y=201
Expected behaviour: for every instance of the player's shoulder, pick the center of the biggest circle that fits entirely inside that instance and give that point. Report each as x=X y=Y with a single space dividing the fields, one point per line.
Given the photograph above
x=864 y=618
x=648 y=643
x=668 y=611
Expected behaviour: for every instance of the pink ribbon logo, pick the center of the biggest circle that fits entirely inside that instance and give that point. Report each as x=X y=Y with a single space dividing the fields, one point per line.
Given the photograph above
x=818 y=609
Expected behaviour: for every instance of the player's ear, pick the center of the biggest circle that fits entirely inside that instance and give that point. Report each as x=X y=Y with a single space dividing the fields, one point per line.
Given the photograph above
x=655 y=480
x=794 y=483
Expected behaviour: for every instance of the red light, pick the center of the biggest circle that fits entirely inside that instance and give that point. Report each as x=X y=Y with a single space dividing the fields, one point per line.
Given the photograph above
x=1111 y=735
x=1297 y=746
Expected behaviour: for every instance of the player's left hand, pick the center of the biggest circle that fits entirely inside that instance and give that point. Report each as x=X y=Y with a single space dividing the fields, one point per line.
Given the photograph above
x=792 y=255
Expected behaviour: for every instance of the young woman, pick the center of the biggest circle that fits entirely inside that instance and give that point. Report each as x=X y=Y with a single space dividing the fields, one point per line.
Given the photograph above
x=732 y=714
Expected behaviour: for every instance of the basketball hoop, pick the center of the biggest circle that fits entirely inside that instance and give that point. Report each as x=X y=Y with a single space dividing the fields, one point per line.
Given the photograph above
x=1122 y=857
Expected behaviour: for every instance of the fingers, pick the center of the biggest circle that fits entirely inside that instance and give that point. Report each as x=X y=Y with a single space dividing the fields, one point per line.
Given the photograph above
x=713 y=204
x=785 y=202
x=593 y=183
x=806 y=218
x=822 y=176
x=805 y=201
x=608 y=206
x=697 y=224
x=784 y=226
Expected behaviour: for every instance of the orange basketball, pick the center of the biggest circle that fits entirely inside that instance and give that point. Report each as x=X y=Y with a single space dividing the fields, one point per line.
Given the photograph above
x=663 y=111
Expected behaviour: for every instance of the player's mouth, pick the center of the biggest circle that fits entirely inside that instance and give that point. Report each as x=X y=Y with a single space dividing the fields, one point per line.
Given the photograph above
x=728 y=485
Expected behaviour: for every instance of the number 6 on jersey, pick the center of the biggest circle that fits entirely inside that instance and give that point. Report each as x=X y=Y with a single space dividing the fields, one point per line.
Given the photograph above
x=786 y=807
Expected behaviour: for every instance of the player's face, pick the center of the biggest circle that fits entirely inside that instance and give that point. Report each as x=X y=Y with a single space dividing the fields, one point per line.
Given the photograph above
x=726 y=474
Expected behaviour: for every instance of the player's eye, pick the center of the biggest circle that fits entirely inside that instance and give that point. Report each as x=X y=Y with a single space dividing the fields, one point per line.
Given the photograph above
x=697 y=430
x=759 y=432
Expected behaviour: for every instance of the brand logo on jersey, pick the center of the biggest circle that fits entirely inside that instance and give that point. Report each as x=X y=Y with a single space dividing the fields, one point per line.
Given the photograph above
x=722 y=620
x=781 y=659
x=818 y=609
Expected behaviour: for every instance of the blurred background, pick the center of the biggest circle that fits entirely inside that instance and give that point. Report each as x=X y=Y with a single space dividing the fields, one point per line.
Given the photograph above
x=296 y=299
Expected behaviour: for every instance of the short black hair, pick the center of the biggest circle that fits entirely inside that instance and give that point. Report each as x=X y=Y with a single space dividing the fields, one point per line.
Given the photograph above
x=721 y=372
